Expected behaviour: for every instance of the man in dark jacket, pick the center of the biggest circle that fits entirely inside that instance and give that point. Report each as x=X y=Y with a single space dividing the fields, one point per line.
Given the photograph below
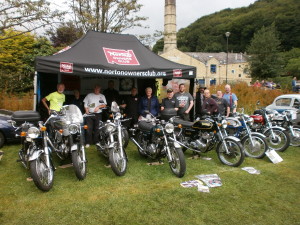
x=149 y=103
x=210 y=106
x=199 y=101
x=131 y=105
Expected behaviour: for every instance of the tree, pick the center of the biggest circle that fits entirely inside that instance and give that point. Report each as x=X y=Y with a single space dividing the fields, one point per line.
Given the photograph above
x=26 y=15
x=17 y=55
x=65 y=34
x=265 y=61
x=113 y=16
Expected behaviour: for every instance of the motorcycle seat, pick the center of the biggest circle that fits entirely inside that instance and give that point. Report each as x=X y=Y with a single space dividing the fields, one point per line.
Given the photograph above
x=186 y=124
x=145 y=126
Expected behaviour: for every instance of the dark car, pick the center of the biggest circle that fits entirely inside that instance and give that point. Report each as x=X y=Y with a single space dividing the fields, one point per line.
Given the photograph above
x=7 y=132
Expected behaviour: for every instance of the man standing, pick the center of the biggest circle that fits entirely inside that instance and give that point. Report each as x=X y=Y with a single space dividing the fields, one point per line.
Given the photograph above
x=294 y=84
x=223 y=106
x=230 y=98
x=169 y=101
x=111 y=94
x=209 y=105
x=199 y=101
x=185 y=103
x=56 y=99
x=78 y=101
x=149 y=103
x=131 y=104
x=93 y=103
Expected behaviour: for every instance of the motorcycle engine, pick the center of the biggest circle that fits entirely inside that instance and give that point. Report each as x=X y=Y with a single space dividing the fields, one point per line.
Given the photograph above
x=201 y=141
x=256 y=126
x=151 y=149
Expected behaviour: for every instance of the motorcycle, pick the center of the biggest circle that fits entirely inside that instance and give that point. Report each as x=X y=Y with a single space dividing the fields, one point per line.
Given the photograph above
x=277 y=137
x=155 y=139
x=113 y=139
x=35 y=153
x=66 y=137
x=285 y=120
x=201 y=136
x=254 y=143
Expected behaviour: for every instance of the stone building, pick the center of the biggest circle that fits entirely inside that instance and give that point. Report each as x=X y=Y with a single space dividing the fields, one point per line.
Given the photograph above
x=212 y=68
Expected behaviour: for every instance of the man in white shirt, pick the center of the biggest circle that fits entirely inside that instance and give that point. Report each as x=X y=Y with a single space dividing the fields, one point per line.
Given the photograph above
x=93 y=103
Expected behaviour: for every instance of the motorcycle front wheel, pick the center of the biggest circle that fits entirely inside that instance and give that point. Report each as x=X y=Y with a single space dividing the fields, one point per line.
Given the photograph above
x=258 y=149
x=41 y=174
x=177 y=164
x=118 y=163
x=235 y=155
x=281 y=140
x=295 y=139
x=78 y=163
x=125 y=137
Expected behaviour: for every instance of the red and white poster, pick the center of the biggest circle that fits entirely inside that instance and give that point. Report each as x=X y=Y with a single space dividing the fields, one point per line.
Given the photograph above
x=66 y=67
x=120 y=57
x=177 y=73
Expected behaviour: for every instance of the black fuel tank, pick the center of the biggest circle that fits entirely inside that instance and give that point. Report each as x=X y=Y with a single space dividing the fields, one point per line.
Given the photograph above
x=203 y=125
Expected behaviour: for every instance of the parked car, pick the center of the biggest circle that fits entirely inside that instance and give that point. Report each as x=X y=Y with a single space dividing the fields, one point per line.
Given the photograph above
x=7 y=132
x=289 y=101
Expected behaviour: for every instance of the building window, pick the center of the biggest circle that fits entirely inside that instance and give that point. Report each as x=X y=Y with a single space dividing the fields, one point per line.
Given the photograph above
x=213 y=68
x=240 y=75
x=232 y=71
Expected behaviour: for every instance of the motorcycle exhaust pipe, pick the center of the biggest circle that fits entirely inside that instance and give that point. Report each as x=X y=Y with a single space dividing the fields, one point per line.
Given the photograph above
x=136 y=143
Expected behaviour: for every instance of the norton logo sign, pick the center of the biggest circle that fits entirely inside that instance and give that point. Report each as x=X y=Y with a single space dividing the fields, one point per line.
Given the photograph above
x=66 y=67
x=177 y=73
x=120 y=57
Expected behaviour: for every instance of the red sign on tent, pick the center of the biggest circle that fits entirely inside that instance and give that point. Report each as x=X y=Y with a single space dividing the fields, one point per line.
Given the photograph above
x=120 y=57
x=177 y=73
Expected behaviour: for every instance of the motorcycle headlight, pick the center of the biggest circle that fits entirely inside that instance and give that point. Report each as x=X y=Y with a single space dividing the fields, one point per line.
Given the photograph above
x=110 y=127
x=33 y=132
x=73 y=128
x=224 y=123
x=118 y=115
x=169 y=128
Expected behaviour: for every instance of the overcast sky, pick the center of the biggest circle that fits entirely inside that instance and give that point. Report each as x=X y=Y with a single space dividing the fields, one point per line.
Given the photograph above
x=187 y=12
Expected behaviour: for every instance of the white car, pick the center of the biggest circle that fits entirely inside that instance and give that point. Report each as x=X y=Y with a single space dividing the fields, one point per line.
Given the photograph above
x=284 y=102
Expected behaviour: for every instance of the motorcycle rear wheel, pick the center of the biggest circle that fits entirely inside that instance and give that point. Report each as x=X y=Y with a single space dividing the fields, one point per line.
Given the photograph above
x=78 y=163
x=118 y=164
x=42 y=175
x=258 y=150
x=236 y=154
x=281 y=142
x=177 y=165
x=295 y=140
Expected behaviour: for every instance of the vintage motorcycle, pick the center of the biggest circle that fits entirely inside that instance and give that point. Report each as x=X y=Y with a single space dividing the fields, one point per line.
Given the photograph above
x=277 y=137
x=35 y=153
x=201 y=136
x=155 y=139
x=254 y=143
x=284 y=120
x=113 y=139
x=66 y=137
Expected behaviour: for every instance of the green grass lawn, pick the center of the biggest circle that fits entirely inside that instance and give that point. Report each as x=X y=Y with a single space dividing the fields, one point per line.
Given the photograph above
x=152 y=194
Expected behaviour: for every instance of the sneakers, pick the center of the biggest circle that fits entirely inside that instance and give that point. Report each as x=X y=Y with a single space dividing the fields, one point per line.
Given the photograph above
x=87 y=146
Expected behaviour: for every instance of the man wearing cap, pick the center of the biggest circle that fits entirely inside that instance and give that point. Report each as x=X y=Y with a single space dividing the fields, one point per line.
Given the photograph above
x=169 y=102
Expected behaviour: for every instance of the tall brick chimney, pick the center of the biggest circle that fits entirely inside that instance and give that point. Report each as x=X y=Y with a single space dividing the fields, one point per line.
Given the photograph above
x=170 y=41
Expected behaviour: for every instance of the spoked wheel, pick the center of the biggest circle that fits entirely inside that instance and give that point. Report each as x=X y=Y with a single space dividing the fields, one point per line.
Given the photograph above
x=295 y=139
x=235 y=155
x=142 y=143
x=281 y=140
x=256 y=148
x=78 y=163
x=117 y=162
x=41 y=174
x=125 y=137
x=177 y=165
